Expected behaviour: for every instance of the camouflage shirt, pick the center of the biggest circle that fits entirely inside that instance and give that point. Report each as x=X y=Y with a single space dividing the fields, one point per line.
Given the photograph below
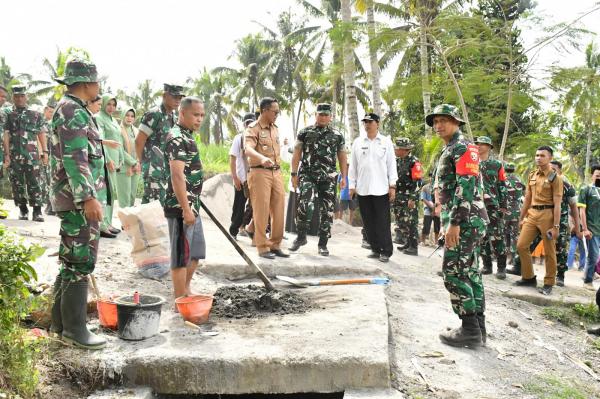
x=515 y=189
x=320 y=146
x=156 y=124
x=406 y=187
x=569 y=197
x=77 y=160
x=494 y=183
x=181 y=146
x=459 y=184
x=23 y=126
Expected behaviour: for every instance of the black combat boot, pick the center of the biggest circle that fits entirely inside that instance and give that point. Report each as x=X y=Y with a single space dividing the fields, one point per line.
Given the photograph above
x=49 y=211
x=412 y=248
x=481 y=322
x=73 y=309
x=467 y=335
x=298 y=242
x=24 y=212
x=501 y=272
x=487 y=265
x=37 y=214
x=56 y=324
x=323 y=251
x=397 y=237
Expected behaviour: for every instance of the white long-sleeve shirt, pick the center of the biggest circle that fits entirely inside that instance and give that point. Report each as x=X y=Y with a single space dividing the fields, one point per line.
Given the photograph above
x=373 y=165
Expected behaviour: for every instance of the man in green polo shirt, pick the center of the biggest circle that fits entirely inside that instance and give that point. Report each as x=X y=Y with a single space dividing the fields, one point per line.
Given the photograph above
x=589 y=202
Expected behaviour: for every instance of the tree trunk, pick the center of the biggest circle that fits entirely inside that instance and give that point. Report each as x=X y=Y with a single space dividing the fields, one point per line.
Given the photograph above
x=300 y=103
x=349 y=70
x=375 y=71
x=426 y=88
x=508 y=112
x=334 y=99
x=588 y=150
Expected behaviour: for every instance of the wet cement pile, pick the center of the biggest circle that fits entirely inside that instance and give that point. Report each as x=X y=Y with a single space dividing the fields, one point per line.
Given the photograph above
x=252 y=301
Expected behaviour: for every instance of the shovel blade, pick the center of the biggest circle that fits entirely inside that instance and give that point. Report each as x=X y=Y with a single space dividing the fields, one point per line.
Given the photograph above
x=292 y=281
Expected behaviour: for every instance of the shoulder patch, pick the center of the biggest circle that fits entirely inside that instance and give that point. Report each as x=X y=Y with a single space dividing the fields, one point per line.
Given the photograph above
x=468 y=163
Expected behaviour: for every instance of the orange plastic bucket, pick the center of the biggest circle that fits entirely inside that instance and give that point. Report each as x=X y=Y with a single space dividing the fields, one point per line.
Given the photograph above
x=107 y=313
x=195 y=308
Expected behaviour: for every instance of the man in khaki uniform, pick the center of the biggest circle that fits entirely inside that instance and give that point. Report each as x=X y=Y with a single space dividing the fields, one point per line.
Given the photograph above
x=540 y=212
x=264 y=179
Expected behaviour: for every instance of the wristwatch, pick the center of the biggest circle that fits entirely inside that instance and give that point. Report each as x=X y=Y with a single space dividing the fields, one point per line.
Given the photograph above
x=294 y=173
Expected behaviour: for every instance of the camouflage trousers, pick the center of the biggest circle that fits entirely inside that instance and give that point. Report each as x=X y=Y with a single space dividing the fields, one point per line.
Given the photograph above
x=46 y=183
x=511 y=228
x=310 y=190
x=78 y=245
x=25 y=181
x=462 y=277
x=494 y=240
x=407 y=220
x=561 y=248
x=154 y=184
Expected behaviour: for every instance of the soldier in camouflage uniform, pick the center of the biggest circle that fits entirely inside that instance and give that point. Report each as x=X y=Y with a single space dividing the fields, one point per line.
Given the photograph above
x=406 y=211
x=4 y=110
x=494 y=197
x=154 y=126
x=79 y=186
x=22 y=129
x=515 y=191
x=317 y=147
x=46 y=171
x=464 y=218
x=569 y=202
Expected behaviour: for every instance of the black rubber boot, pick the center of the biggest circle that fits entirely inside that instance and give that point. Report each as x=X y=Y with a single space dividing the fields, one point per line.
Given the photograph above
x=560 y=279
x=73 y=309
x=323 y=251
x=37 y=214
x=501 y=272
x=487 y=265
x=24 y=212
x=468 y=335
x=298 y=242
x=56 y=324
x=413 y=247
x=481 y=322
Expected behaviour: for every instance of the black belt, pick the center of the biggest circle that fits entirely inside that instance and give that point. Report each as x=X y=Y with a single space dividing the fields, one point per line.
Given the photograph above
x=276 y=167
x=542 y=207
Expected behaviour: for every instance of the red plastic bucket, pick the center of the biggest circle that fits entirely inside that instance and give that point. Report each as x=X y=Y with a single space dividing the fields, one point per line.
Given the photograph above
x=107 y=313
x=195 y=308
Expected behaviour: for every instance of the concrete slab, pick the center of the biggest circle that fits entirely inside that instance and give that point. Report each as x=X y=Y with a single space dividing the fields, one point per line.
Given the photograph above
x=342 y=344
x=125 y=393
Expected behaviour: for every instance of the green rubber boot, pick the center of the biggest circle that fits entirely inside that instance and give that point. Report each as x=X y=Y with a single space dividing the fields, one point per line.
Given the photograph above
x=73 y=309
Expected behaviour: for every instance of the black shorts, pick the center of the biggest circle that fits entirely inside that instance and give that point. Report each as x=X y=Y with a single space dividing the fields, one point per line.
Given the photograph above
x=187 y=242
x=427 y=219
x=345 y=204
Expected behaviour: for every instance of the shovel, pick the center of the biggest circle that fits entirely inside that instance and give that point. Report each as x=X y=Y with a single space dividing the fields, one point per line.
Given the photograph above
x=268 y=285
x=304 y=284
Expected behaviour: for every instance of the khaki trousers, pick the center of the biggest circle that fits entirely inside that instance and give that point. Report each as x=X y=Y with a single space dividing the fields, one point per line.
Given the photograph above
x=268 y=197
x=542 y=221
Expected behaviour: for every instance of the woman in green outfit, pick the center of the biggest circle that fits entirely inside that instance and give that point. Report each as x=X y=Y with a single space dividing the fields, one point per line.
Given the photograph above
x=110 y=130
x=129 y=173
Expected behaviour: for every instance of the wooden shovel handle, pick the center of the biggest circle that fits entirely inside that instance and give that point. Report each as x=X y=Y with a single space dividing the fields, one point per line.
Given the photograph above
x=345 y=282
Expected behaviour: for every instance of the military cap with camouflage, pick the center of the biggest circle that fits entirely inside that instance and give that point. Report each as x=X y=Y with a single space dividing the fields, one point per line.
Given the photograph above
x=324 y=108
x=484 y=140
x=404 y=143
x=444 y=109
x=16 y=90
x=174 y=90
x=78 y=71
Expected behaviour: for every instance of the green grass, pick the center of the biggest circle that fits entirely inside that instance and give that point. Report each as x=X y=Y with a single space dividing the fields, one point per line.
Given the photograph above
x=587 y=312
x=570 y=315
x=553 y=388
x=561 y=314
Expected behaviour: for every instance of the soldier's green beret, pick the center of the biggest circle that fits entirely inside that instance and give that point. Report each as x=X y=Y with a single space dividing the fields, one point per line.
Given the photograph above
x=174 y=90
x=19 y=90
x=484 y=140
x=509 y=167
x=403 y=143
x=444 y=109
x=78 y=71
x=324 y=108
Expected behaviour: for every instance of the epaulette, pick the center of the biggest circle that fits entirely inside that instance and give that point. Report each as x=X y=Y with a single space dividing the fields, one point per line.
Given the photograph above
x=552 y=176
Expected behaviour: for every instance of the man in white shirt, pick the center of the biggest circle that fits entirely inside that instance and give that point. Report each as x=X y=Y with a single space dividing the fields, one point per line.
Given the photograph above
x=372 y=177
x=239 y=171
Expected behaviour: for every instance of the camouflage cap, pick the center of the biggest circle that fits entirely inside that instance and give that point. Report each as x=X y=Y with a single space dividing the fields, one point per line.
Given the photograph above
x=324 y=108
x=403 y=143
x=16 y=90
x=444 y=109
x=174 y=90
x=509 y=167
x=484 y=140
x=78 y=71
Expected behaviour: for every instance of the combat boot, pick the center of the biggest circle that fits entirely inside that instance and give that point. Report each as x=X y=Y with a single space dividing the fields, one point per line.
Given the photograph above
x=397 y=237
x=413 y=247
x=49 y=211
x=323 y=251
x=56 y=324
x=481 y=322
x=24 y=212
x=515 y=270
x=467 y=335
x=501 y=272
x=560 y=279
x=487 y=265
x=298 y=242
x=37 y=214
x=73 y=309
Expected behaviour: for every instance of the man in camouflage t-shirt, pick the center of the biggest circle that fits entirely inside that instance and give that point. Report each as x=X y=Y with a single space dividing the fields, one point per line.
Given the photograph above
x=184 y=177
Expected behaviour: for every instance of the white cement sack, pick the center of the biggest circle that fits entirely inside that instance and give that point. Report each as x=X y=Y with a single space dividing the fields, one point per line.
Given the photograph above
x=149 y=232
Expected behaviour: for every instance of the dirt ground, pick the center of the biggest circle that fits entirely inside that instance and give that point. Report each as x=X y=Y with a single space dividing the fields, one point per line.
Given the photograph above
x=527 y=354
